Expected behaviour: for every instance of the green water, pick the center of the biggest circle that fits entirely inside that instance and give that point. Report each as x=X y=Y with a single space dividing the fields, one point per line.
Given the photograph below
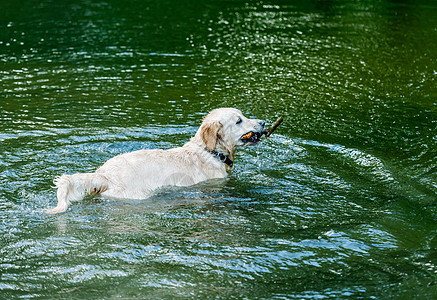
x=339 y=203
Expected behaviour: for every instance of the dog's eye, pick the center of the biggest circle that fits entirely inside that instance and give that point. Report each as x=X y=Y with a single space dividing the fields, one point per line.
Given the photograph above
x=239 y=121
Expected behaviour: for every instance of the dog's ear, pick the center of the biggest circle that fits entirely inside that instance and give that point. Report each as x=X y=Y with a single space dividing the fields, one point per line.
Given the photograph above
x=209 y=134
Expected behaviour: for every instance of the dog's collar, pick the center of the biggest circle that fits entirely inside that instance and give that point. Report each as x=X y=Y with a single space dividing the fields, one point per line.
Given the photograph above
x=220 y=156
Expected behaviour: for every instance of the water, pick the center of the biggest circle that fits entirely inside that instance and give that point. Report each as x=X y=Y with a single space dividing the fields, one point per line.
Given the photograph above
x=339 y=203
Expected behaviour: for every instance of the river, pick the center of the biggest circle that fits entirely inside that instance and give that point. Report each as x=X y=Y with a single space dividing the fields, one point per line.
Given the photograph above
x=340 y=202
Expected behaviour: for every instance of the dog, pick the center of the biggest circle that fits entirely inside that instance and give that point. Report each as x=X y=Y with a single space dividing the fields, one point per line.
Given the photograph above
x=135 y=175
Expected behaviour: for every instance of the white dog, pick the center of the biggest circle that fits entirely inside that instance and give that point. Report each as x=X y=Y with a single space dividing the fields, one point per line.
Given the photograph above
x=135 y=175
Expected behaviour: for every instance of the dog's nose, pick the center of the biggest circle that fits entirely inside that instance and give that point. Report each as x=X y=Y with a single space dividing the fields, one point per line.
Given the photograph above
x=262 y=123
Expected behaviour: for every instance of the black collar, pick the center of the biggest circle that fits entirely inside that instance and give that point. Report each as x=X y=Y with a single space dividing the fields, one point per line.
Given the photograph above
x=222 y=157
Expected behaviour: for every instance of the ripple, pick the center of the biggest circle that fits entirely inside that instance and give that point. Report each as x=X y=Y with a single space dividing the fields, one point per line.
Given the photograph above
x=338 y=203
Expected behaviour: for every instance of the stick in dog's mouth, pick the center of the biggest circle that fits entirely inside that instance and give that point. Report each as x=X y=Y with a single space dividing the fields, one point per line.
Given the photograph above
x=268 y=131
x=255 y=137
x=251 y=137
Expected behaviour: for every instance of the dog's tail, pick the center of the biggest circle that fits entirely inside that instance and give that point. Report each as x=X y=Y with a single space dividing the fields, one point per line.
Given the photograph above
x=75 y=187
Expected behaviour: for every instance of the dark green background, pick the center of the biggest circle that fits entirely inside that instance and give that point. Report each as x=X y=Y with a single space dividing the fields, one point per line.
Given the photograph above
x=340 y=202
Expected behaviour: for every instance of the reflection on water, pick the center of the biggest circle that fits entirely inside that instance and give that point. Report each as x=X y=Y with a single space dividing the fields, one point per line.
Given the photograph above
x=339 y=202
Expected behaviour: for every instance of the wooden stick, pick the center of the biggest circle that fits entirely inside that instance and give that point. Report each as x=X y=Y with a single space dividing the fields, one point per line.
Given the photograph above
x=267 y=132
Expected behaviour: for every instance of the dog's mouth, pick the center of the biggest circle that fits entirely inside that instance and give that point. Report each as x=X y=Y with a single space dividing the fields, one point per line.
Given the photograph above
x=251 y=137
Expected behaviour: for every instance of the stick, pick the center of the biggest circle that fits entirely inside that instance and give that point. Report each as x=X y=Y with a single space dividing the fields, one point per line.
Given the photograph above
x=267 y=132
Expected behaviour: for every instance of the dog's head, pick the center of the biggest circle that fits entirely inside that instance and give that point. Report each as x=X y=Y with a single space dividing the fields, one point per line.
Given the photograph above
x=229 y=128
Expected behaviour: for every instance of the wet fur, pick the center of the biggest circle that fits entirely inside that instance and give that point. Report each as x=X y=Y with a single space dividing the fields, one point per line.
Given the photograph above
x=137 y=174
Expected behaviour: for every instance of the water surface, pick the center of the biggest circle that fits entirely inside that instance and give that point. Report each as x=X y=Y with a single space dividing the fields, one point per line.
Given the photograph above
x=340 y=202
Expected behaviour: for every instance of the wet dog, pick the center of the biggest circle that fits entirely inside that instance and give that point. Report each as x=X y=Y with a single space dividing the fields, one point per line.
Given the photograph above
x=135 y=175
